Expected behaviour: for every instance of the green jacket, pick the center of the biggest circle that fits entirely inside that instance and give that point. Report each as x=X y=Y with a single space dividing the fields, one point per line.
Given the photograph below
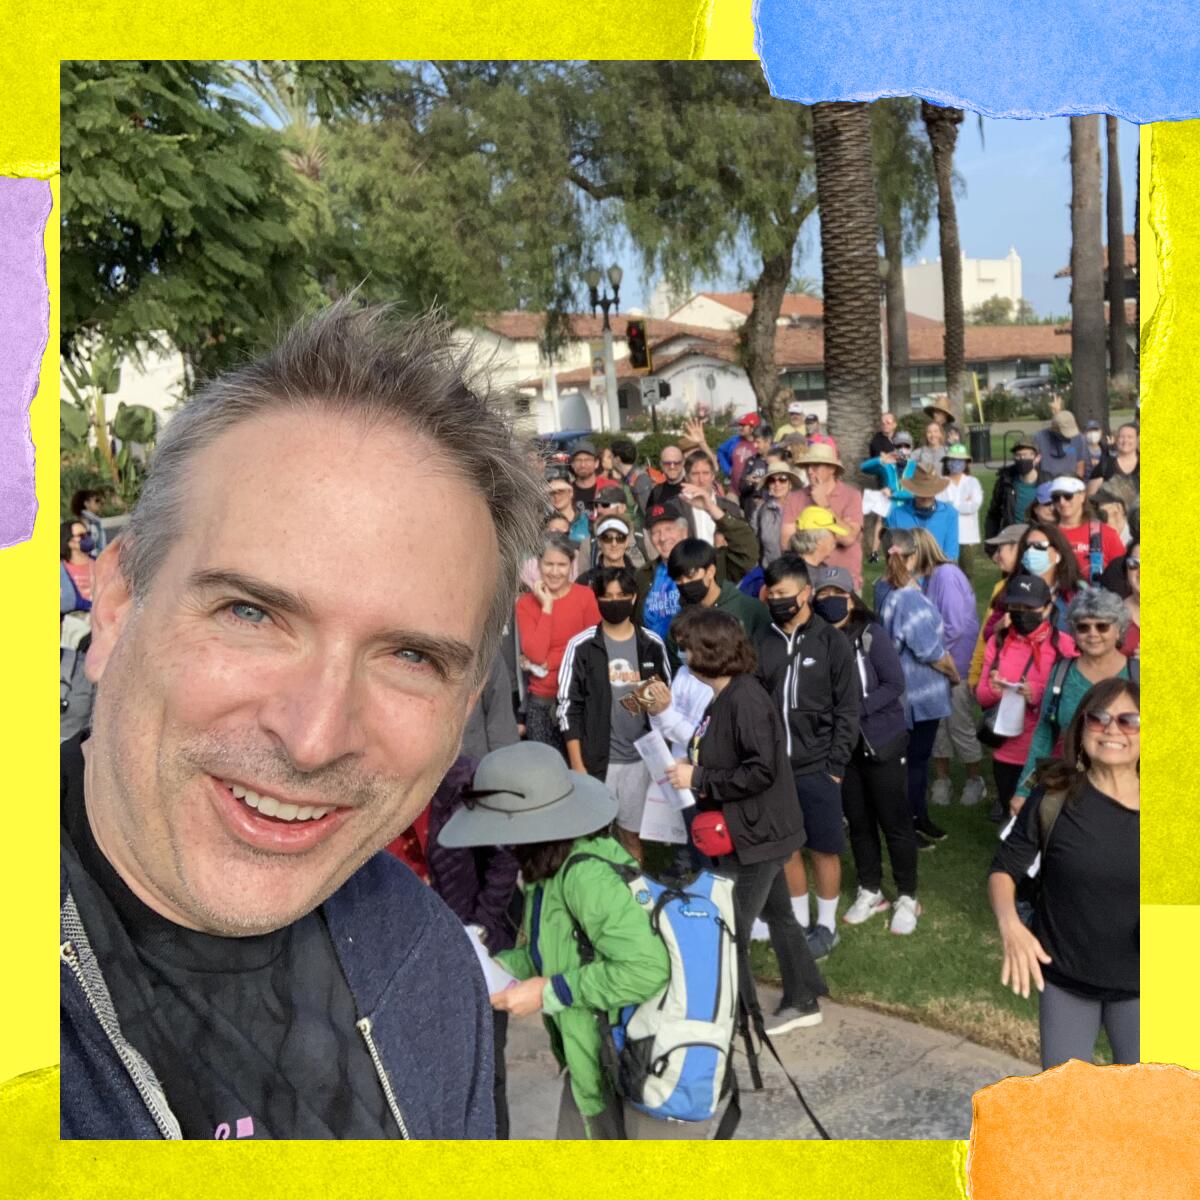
x=631 y=963
x=753 y=614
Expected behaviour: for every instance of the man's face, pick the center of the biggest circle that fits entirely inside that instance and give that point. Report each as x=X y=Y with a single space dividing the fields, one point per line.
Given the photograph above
x=1068 y=507
x=887 y=423
x=1026 y=461
x=787 y=588
x=671 y=462
x=666 y=535
x=296 y=644
x=583 y=466
x=562 y=495
x=762 y=444
x=707 y=575
x=821 y=473
x=701 y=475
x=601 y=512
x=92 y=505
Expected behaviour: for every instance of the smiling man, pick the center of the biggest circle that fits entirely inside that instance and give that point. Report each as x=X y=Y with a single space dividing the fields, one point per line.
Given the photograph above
x=281 y=687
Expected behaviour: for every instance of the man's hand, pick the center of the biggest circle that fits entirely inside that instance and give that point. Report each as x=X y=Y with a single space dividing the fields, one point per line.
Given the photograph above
x=522 y=999
x=694 y=429
x=679 y=773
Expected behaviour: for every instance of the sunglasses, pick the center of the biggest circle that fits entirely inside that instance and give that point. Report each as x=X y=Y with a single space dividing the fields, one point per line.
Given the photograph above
x=670 y=462
x=1037 y=545
x=1132 y=564
x=1127 y=722
x=1059 y=497
x=1092 y=626
x=611 y=539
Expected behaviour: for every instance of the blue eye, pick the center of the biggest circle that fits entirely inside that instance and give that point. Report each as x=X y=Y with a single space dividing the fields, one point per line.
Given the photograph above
x=250 y=613
x=413 y=656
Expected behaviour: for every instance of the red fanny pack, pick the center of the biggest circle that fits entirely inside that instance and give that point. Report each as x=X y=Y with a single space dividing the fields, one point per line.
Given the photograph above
x=710 y=834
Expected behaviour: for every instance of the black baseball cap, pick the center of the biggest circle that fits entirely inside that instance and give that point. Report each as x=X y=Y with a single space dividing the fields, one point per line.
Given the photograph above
x=583 y=446
x=667 y=511
x=610 y=494
x=1026 y=589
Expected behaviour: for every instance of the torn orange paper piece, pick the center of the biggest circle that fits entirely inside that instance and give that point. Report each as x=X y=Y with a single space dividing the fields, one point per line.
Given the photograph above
x=1097 y=1132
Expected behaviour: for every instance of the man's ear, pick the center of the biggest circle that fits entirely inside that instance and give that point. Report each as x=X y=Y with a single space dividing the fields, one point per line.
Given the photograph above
x=112 y=602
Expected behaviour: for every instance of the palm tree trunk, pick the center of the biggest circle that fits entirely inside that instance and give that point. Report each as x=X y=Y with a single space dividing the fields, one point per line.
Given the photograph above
x=850 y=272
x=757 y=335
x=1088 y=376
x=942 y=125
x=1088 y=335
x=1117 y=348
x=898 y=385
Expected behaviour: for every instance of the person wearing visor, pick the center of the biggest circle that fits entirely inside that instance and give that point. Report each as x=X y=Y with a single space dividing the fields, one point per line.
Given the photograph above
x=524 y=797
x=614 y=545
x=1095 y=544
x=1020 y=656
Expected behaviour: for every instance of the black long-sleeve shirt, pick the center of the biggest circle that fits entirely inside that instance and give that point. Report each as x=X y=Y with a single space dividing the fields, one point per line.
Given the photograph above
x=1087 y=916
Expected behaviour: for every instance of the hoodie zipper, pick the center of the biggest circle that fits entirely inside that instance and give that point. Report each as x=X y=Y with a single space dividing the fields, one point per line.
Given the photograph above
x=364 y=1027
x=100 y=1003
x=789 y=683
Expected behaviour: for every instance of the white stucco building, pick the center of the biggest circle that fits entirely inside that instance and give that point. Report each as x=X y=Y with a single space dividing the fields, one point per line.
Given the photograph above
x=982 y=278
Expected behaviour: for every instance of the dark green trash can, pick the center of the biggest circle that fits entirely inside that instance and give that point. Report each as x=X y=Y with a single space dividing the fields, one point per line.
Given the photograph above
x=979 y=442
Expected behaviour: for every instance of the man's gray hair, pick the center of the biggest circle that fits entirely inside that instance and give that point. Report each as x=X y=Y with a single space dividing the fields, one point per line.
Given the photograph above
x=808 y=541
x=1098 y=604
x=365 y=363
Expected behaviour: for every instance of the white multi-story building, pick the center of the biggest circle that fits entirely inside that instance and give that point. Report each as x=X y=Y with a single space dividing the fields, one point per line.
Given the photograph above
x=982 y=278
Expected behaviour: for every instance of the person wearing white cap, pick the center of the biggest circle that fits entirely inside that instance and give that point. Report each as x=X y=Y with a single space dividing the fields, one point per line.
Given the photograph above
x=1095 y=543
x=795 y=421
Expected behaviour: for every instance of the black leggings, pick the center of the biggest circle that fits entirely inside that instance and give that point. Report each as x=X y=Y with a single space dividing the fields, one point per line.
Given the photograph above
x=1007 y=776
x=874 y=797
x=920 y=748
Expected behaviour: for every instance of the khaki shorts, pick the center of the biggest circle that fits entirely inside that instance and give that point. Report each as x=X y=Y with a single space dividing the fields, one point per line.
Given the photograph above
x=629 y=783
x=958 y=729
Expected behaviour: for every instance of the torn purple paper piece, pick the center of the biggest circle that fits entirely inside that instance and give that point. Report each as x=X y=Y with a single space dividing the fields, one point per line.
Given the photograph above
x=24 y=329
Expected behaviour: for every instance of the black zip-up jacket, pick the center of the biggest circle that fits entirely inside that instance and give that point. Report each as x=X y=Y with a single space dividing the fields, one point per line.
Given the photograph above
x=1003 y=509
x=585 y=695
x=811 y=676
x=744 y=771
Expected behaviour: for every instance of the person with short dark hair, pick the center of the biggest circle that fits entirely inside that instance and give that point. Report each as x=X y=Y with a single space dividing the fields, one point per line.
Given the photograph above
x=1015 y=488
x=692 y=566
x=807 y=667
x=86 y=505
x=1082 y=952
x=585 y=463
x=599 y=713
x=738 y=764
x=631 y=476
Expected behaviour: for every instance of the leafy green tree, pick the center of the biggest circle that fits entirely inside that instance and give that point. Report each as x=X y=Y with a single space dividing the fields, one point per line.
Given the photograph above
x=176 y=214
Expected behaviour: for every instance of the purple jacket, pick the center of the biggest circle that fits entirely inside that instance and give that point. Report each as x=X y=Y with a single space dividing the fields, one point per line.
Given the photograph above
x=950 y=592
x=477 y=884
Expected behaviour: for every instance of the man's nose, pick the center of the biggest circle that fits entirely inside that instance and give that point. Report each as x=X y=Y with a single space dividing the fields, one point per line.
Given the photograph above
x=316 y=712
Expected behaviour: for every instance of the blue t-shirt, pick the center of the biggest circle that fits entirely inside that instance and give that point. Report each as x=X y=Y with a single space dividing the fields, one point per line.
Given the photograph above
x=941 y=521
x=661 y=606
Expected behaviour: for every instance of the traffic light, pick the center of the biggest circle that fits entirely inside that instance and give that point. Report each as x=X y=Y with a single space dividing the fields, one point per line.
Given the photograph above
x=639 y=351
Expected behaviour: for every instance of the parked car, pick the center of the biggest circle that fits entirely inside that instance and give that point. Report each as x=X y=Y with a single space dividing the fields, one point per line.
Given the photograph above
x=557 y=446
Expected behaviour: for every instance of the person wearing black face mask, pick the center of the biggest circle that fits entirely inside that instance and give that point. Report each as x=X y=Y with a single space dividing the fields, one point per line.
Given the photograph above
x=808 y=668
x=1020 y=656
x=692 y=565
x=598 y=707
x=1015 y=490
x=875 y=789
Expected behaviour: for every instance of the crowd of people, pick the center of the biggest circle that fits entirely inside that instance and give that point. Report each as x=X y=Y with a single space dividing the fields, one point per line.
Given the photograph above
x=714 y=603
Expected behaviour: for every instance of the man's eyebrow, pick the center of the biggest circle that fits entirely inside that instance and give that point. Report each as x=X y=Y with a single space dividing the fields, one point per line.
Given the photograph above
x=455 y=656
x=265 y=593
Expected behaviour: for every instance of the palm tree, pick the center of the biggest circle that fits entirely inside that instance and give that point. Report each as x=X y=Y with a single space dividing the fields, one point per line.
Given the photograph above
x=942 y=126
x=905 y=183
x=850 y=271
x=1088 y=376
x=1117 y=349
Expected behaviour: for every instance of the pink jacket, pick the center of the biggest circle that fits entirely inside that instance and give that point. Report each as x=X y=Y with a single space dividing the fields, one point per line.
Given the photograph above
x=1013 y=656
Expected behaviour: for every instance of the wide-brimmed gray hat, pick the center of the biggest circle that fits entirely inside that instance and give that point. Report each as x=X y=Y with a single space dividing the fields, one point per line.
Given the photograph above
x=525 y=793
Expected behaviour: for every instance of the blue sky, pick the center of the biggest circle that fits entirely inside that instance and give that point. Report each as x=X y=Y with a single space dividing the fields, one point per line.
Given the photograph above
x=1018 y=193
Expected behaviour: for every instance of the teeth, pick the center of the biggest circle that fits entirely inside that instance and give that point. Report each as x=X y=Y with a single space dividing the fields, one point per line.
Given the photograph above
x=270 y=807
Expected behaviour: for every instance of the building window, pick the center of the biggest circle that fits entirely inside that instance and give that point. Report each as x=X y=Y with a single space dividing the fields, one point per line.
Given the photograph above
x=981 y=372
x=807 y=385
x=923 y=381
x=1032 y=366
x=521 y=406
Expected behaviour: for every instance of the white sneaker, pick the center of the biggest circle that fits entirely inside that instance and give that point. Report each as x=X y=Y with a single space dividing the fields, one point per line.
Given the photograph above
x=905 y=912
x=939 y=794
x=974 y=790
x=759 y=932
x=866 y=905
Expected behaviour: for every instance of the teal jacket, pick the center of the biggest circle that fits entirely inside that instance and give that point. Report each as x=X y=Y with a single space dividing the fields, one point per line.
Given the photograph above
x=630 y=966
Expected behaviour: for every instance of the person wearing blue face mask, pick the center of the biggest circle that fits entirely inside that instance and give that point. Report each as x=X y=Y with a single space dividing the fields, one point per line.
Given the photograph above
x=1045 y=552
x=75 y=567
x=965 y=496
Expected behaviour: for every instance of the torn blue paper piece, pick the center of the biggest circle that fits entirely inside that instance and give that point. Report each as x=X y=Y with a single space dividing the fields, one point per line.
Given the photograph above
x=24 y=328
x=1017 y=58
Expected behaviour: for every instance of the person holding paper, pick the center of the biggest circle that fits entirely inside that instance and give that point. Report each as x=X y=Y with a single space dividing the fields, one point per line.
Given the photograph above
x=738 y=763
x=600 y=711
x=1018 y=660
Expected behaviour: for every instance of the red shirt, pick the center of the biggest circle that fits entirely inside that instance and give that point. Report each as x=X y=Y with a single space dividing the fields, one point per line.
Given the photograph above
x=1079 y=536
x=544 y=636
x=81 y=575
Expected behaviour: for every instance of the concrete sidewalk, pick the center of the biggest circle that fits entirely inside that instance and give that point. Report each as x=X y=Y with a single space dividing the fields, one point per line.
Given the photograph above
x=865 y=1075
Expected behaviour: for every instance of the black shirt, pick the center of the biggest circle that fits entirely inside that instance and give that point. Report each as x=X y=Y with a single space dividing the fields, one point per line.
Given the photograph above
x=249 y=1037
x=1087 y=916
x=880 y=444
x=660 y=493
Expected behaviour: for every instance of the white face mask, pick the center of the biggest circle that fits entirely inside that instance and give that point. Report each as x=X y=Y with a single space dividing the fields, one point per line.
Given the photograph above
x=1093 y=437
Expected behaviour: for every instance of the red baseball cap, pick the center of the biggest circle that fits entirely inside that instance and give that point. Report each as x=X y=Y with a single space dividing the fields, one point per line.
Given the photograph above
x=751 y=419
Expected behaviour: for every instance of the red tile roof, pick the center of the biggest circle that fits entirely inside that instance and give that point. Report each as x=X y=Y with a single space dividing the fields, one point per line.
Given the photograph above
x=1130 y=315
x=1130 y=258
x=527 y=326
x=795 y=304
